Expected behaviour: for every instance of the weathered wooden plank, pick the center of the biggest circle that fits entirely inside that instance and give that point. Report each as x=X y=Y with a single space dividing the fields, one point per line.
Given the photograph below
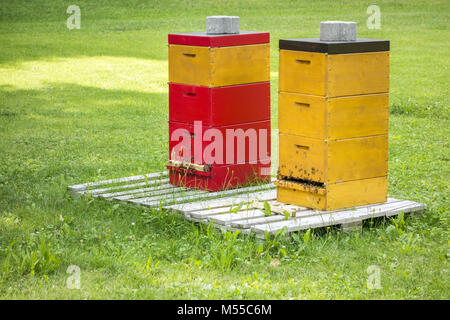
x=302 y=212
x=210 y=212
x=247 y=223
x=149 y=176
x=201 y=195
x=198 y=195
x=323 y=218
x=413 y=207
x=165 y=199
x=186 y=208
x=135 y=191
x=156 y=194
x=223 y=209
x=281 y=208
x=227 y=218
x=96 y=192
x=335 y=218
x=244 y=198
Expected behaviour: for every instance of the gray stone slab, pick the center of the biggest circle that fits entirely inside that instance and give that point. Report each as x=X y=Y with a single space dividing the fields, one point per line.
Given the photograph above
x=338 y=31
x=222 y=24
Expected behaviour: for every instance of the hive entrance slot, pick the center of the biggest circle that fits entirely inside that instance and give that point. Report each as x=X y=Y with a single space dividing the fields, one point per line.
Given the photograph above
x=308 y=183
x=301 y=104
x=299 y=146
x=300 y=61
x=190 y=55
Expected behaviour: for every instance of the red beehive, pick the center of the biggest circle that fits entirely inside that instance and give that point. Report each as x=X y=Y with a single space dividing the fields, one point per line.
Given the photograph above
x=219 y=109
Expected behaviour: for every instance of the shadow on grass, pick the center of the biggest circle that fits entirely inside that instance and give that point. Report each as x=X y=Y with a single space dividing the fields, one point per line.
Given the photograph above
x=76 y=133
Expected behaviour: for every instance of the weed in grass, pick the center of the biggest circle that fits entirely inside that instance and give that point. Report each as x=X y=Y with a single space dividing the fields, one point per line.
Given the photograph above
x=267 y=210
x=150 y=266
x=29 y=257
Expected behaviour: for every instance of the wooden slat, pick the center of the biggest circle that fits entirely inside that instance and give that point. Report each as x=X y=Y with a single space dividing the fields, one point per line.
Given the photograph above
x=204 y=213
x=210 y=212
x=166 y=198
x=149 y=176
x=227 y=218
x=247 y=223
x=334 y=218
x=97 y=192
x=302 y=212
x=197 y=195
x=323 y=218
x=200 y=195
x=135 y=191
x=155 y=194
x=186 y=208
x=204 y=197
x=280 y=208
x=413 y=207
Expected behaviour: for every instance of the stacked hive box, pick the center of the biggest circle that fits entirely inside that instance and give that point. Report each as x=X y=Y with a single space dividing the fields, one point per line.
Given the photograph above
x=218 y=85
x=333 y=122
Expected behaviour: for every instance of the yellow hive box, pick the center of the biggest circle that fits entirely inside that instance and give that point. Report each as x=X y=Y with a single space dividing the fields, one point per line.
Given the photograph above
x=333 y=75
x=334 y=160
x=333 y=196
x=333 y=118
x=333 y=122
x=219 y=66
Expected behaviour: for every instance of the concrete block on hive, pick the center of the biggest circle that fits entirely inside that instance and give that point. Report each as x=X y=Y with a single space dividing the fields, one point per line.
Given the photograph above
x=338 y=31
x=222 y=24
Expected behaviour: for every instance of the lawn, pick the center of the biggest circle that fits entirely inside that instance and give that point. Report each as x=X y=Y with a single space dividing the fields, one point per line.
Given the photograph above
x=91 y=104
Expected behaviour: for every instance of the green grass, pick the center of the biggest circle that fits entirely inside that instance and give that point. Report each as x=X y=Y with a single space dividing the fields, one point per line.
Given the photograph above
x=90 y=104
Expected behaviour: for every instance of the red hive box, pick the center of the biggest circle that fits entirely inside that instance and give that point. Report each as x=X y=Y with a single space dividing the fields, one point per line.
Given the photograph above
x=219 y=110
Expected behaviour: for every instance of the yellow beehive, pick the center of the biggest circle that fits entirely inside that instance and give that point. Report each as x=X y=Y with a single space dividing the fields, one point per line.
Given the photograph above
x=219 y=66
x=333 y=123
x=333 y=196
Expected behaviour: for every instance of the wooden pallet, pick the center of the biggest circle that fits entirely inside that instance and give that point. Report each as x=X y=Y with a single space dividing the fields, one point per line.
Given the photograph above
x=236 y=209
